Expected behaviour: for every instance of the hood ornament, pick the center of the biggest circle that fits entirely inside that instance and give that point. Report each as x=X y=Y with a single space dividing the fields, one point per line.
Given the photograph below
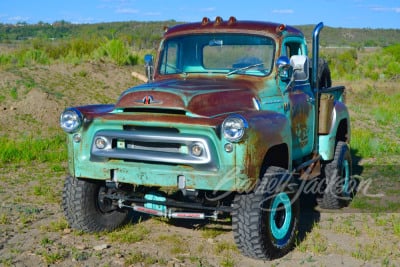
x=147 y=100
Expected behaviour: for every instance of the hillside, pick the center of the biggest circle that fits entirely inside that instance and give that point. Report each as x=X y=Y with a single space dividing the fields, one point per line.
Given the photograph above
x=355 y=37
x=146 y=34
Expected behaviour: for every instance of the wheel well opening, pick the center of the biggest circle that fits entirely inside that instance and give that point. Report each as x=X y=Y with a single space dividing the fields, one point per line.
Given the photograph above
x=276 y=156
x=342 y=132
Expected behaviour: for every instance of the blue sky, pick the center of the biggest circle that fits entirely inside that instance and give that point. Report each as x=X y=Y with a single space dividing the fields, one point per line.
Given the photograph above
x=335 y=13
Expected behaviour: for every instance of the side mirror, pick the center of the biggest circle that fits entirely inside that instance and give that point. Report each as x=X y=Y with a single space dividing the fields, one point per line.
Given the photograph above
x=285 y=70
x=149 y=67
x=300 y=67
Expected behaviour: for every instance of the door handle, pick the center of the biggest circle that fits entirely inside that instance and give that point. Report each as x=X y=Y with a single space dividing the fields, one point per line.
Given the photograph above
x=311 y=100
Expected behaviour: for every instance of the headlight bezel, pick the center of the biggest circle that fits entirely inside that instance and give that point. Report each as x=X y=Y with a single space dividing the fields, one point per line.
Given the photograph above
x=71 y=120
x=234 y=128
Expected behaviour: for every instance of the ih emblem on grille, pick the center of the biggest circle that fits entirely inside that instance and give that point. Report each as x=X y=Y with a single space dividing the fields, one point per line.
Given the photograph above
x=147 y=100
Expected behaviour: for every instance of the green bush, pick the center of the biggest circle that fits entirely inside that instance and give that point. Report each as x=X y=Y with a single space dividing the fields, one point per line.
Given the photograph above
x=346 y=62
x=26 y=57
x=394 y=51
x=116 y=51
x=82 y=47
x=392 y=70
x=57 y=50
x=5 y=59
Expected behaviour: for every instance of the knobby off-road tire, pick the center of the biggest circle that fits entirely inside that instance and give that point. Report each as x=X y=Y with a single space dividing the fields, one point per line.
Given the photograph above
x=265 y=221
x=338 y=187
x=324 y=74
x=86 y=209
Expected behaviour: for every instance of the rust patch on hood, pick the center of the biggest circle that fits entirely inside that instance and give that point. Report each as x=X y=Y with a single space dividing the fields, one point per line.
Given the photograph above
x=151 y=98
x=203 y=97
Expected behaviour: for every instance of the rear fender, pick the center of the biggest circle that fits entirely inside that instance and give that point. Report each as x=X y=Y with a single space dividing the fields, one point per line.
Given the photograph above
x=339 y=131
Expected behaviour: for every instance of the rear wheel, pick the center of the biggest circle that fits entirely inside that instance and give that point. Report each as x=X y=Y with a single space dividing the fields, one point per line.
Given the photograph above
x=265 y=221
x=86 y=207
x=338 y=187
x=324 y=74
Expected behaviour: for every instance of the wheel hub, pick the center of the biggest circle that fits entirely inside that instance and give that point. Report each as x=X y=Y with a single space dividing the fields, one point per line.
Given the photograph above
x=104 y=203
x=280 y=216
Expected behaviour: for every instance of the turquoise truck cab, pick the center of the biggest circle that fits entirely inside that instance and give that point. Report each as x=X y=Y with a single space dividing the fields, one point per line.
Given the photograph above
x=233 y=118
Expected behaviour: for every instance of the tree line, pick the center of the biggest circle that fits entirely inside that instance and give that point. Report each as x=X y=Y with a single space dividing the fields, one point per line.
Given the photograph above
x=145 y=35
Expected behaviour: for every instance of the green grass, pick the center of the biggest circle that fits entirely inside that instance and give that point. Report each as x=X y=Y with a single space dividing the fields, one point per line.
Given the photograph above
x=370 y=144
x=55 y=226
x=174 y=242
x=131 y=233
x=369 y=251
x=225 y=246
x=227 y=262
x=139 y=258
x=211 y=232
x=53 y=257
x=14 y=93
x=375 y=142
x=33 y=149
x=4 y=219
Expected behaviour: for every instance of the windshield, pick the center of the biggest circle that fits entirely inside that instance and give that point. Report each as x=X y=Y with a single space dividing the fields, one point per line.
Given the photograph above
x=225 y=53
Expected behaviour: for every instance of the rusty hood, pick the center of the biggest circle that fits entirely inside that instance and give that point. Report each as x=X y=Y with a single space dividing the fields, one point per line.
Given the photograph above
x=197 y=97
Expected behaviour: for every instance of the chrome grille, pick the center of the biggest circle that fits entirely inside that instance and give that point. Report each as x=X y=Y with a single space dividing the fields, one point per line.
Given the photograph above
x=153 y=146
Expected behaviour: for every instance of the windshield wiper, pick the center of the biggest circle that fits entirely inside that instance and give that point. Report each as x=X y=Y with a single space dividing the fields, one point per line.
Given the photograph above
x=244 y=68
x=178 y=70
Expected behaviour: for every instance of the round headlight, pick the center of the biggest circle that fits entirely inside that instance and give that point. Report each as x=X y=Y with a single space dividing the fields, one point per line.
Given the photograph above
x=234 y=127
x=71 y=120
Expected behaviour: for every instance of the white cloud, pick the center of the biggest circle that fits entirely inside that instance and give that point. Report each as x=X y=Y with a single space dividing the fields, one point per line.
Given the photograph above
x=84 y=20
x=283 y=11
x=126 y=11
x=152 y=14
x=208 y=9
x=115 y=1
x=18 y=18
x=386 y=9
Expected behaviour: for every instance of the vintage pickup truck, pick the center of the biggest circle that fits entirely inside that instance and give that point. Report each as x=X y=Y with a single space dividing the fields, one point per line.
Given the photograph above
x=232 y=121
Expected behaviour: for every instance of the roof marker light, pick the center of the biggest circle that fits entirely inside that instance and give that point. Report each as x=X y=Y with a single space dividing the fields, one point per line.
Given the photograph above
x=232 y=20
x=280 y=28
x=218 y=20
x=205 y=21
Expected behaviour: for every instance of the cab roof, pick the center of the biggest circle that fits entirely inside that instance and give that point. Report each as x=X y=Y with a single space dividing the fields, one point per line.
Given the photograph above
x=232 y=25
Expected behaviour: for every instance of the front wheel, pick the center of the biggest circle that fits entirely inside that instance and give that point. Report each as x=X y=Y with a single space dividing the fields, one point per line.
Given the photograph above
x=87 y=208
x=265 y=221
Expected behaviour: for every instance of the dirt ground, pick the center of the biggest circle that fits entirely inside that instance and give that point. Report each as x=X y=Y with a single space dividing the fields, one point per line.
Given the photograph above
x=33 y=230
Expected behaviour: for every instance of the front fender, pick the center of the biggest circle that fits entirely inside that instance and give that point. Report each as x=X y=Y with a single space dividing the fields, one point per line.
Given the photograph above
x=266 y=130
